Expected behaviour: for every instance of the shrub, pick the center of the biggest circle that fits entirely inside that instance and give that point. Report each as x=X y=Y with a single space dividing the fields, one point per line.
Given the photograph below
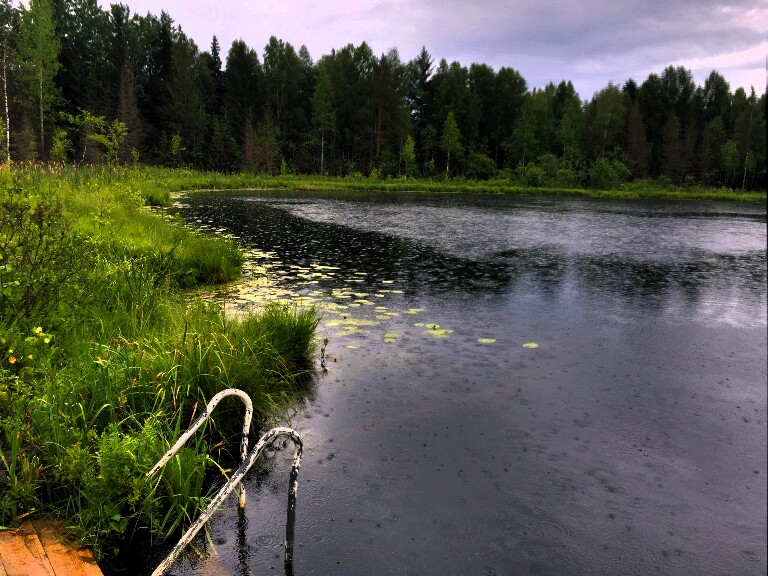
x=480 y=166
x=41 y=259
x=607 y=174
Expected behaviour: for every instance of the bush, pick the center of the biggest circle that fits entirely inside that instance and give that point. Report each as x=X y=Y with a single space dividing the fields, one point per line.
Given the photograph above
x=533 y=175
x=607 y=174
x=480 y=166
x=41 y=259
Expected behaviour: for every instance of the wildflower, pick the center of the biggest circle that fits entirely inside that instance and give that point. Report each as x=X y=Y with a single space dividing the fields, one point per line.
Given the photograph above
x=12 y=359
x=38 y=330
x=47 y=340
x=29 y=356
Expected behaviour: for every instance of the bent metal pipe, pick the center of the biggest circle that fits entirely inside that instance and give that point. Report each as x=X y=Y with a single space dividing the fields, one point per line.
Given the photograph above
x=232 y=484
x=199 y=422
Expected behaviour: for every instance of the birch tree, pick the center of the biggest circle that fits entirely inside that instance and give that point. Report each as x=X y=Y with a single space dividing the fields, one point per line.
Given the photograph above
x=6 y=28
x=38 y=50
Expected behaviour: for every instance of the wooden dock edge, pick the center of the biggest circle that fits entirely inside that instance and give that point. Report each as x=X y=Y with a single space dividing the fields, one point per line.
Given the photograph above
x=39 y=548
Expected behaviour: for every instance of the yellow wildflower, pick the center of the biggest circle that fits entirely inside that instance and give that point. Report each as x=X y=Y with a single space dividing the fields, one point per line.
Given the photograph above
x=12 y=359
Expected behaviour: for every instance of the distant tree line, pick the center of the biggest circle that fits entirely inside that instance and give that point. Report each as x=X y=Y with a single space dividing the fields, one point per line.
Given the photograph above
x=84 y=84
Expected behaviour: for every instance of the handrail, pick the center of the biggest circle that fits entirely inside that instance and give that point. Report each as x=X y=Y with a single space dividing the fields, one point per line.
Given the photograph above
x=199 y=422
x=234 y=481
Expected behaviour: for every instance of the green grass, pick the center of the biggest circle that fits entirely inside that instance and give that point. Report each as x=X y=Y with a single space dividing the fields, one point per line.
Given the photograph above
x=155 y=185
x=105 y=359
x=159 y=183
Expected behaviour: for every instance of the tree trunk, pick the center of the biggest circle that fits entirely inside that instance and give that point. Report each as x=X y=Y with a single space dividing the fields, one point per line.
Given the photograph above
x=744 y=178
x=378 y=133
x=42 y=126
x=5 y=101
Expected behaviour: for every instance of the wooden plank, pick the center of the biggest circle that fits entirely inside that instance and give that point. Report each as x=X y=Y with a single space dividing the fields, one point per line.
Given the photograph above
x=22 y=553
x=65 y=558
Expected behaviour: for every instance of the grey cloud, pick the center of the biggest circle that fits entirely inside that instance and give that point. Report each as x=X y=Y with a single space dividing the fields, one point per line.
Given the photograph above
x=549 y=40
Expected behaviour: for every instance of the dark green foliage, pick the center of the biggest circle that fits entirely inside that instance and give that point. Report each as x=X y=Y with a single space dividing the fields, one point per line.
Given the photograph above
x=480 y=166
x=278 y=111
x=607 y=174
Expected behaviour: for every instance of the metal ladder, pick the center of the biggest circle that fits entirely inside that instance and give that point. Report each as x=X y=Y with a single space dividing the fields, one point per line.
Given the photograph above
x=248 y=459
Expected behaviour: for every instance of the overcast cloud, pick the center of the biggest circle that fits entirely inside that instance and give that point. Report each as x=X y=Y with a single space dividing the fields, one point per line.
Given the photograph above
x=588 y=42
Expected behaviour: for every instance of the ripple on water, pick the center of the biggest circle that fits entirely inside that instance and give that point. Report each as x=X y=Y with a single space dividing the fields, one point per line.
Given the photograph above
x=625 y=294
x=749 y=555
x=549 y=529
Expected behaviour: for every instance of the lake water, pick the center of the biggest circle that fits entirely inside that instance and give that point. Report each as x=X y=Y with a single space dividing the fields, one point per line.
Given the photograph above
x=514 y=385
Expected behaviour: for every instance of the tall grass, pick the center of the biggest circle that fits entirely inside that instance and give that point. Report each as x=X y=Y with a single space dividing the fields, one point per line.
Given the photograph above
x=155 y=185
x=162 y=182
x=98 y=381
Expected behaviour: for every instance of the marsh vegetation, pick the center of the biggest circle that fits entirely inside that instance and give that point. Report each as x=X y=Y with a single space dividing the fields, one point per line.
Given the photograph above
x=106 y=358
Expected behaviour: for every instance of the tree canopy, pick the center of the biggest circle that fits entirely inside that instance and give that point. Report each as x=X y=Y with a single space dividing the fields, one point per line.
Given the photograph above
x=350 y=111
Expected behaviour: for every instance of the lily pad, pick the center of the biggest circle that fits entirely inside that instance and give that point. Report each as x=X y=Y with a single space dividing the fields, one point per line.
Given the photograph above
x=439 y=332
x=351 y=322
x=413 y=310
x=486 y=340
x=530 y=345
x=349 y=331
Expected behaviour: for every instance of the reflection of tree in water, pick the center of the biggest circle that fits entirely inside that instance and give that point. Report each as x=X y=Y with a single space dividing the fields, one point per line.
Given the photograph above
x=374 y=256
x=654 y=281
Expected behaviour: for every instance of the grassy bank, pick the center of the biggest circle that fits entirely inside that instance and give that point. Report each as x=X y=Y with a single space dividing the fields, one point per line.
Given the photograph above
x=157 y=183
x=104 y=360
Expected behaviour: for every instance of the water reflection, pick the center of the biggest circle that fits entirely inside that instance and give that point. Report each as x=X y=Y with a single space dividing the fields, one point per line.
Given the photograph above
x=243 y=548
x=632 y=440
x=667 y=258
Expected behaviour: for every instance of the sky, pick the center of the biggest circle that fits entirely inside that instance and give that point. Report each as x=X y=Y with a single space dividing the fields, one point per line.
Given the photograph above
x=590 y=42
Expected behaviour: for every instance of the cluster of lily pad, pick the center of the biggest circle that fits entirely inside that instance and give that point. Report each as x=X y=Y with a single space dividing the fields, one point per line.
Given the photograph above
x=267 y=279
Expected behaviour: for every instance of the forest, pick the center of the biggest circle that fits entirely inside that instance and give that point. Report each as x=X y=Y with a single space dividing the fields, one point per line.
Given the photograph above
x=87 y=85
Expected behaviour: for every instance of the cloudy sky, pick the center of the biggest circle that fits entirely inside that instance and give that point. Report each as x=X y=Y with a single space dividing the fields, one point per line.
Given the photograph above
x=589 y=42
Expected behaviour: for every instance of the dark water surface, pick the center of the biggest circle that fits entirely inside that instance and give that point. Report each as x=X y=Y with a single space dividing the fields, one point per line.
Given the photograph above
x=632 y=440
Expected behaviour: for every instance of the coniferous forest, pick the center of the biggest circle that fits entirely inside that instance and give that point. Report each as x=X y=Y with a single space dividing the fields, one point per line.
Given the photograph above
x=87 y=85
